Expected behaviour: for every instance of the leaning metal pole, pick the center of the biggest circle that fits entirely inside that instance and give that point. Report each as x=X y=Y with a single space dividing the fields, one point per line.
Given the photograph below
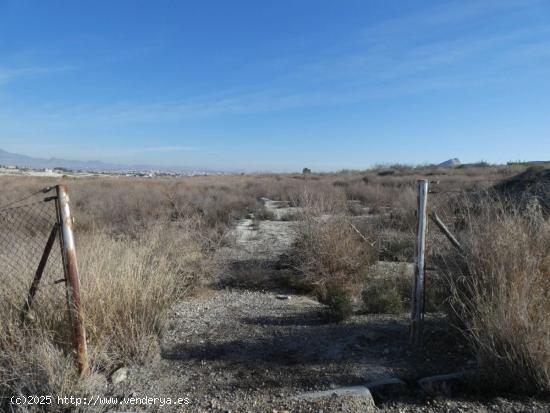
x=38 y=274
x=71 y=278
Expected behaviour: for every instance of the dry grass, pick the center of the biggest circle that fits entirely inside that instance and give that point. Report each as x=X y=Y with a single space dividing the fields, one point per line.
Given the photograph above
x=32 y=364
x=330 y=255
x=144 y=243
x=330 y=248
x=128 y=284
x=501 y=295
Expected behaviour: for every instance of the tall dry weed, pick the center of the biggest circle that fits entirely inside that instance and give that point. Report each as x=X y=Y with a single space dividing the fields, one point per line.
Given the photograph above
x=330 y=254
x=128 y=283
x=501 y=294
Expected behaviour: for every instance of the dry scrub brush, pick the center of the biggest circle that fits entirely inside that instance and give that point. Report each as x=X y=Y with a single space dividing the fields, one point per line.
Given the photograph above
x=32 y=364
x=128 y=284
x=501 y=294
x=330 y=254
x=143 y=243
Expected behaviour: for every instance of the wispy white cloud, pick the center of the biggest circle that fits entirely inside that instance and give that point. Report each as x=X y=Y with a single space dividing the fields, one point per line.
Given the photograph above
x=402 y=47
x=383 y=62
x=437 y=68
x=443 y=15
x=9 y=74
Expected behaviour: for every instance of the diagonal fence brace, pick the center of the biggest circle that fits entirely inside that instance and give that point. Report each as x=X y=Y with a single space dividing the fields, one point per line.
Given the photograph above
x=452 y=239
x=38 y=274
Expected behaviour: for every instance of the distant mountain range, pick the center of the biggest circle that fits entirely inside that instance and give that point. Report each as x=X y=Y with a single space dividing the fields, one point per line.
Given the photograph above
x=24 y=161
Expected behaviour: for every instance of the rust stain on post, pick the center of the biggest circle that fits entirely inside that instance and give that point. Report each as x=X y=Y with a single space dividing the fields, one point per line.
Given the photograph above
x=71 y=276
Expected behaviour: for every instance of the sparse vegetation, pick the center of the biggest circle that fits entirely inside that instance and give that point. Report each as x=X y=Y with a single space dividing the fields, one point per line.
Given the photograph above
x=331 y=256
x=501 y=295
x=391 y=293
x=128 y=283
x=386 y=295
x=338 y=298
x=144 y=244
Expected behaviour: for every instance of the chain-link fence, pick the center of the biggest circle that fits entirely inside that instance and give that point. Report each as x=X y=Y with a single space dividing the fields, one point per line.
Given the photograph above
x=35 y=268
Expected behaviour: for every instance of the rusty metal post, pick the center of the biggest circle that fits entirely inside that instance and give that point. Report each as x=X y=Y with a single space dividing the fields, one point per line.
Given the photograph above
x=38 y=274
x=417 y=314
x=71 y=278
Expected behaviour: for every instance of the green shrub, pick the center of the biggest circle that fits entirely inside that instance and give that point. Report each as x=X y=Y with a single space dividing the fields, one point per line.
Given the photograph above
x=386 y=295
x=338 y=299
x=392 y=294
x=398 y=247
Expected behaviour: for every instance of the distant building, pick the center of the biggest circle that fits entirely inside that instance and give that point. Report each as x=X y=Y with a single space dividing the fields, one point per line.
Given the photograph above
x=451 y=163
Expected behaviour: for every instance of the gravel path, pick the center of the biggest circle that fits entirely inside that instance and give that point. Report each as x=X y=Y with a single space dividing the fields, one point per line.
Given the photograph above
x=235 y=350
x=251 y=351
x=243 y=351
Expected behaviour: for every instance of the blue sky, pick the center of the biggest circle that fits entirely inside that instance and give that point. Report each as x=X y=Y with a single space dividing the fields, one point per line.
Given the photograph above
x=276 y=85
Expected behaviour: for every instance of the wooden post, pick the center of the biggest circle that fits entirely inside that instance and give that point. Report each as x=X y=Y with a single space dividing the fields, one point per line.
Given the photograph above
x=445 y=231
x=417 y=314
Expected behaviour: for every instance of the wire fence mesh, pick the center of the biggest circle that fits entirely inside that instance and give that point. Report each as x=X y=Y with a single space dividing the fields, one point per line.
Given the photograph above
x=26 y=225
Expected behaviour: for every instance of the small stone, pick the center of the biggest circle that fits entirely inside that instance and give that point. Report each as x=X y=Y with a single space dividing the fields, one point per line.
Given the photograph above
x=387 y=388
x=283 y=297
x=119 y=375
x=361 y=392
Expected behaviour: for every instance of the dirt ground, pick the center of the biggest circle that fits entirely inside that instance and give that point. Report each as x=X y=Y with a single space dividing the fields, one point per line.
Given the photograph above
x=239 y=350
x=250 y=351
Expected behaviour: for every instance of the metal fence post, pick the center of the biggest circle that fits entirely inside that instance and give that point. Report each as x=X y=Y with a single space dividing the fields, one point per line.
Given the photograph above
x=417 y=314
x=38 y=274
x=71 y=278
